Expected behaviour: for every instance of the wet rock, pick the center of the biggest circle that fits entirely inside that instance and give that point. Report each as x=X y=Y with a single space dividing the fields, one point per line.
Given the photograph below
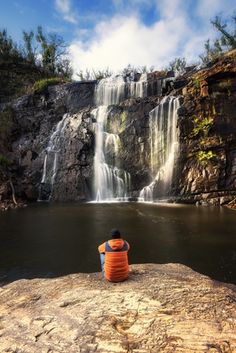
x=35 y=118
x=161 y=308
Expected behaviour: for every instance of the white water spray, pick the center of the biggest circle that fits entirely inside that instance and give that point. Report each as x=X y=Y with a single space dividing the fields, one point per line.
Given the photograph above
x=163 y=139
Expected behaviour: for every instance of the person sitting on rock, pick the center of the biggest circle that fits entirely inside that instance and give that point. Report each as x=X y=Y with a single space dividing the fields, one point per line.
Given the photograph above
x=114 y=258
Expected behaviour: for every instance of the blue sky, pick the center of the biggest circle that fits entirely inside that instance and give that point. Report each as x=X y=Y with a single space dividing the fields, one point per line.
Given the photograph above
x=114 y=33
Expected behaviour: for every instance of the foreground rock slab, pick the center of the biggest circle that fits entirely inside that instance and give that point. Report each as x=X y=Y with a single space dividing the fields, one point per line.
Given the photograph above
x=161 y=308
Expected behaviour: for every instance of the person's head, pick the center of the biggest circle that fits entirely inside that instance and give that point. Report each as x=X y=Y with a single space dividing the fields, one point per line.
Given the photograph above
x=115 y=233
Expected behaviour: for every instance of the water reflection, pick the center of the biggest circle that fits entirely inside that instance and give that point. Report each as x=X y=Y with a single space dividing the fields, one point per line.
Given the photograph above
x=53 y=240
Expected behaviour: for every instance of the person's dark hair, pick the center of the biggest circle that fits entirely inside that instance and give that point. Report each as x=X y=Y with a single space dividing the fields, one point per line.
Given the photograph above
x=115 y=233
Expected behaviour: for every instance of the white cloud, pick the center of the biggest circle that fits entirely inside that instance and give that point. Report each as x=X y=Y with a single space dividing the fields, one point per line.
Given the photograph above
x=194 y=47
x=169 y=9
x=209 y=8
x=122 y=40
x=64 y=7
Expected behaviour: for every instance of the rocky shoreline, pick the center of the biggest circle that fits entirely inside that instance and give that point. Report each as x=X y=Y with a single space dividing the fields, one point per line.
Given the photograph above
x=232 y=204
x=161 y=308
x=8 y=205
x=219 y=201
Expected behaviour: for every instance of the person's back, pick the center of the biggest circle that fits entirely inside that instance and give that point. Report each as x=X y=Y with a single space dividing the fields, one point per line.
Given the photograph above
x=116 y=266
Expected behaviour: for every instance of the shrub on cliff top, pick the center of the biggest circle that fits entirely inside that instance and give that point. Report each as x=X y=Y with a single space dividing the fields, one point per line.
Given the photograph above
x=41 y=85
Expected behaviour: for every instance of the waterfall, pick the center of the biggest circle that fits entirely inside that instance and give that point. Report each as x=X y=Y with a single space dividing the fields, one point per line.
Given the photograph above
x=139 y=88
x=110 y=181
x=163 y=139
x=51 y=160
x=114 y=89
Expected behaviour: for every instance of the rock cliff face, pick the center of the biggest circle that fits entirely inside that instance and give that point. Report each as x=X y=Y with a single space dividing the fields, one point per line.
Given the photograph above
x=205 y=170
x=208 y=134
x=35 y=118
x=160 y=308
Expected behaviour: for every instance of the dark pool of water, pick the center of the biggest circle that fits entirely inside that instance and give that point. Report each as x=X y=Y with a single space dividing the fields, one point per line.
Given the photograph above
x=53 y=240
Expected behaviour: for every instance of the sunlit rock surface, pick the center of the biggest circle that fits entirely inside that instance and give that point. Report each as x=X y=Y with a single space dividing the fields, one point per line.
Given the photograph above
x=207 y=161
x=161 y=308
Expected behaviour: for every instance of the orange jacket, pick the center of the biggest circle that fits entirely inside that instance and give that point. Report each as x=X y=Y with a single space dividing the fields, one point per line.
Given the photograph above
x=116 y=259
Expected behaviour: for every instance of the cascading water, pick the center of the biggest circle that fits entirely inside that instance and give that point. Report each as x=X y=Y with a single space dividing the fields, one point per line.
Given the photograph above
x=110 y=181
x=115 y=89
x=163 y=138
x=139 y=88
x=51 y=160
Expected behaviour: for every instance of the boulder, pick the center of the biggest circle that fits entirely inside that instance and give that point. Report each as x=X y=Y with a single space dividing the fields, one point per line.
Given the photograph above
x=160 y=308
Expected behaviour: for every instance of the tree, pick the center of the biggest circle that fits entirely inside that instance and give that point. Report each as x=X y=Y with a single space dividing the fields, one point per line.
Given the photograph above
x=228 y=39
x=130 y=70
x=53 y=53
x=100 y=74
x=64 y=68
x=88 y=75
x=211 y=52
x=177 y=65
x=29 y=50
x=9 y=51
x=145 y=70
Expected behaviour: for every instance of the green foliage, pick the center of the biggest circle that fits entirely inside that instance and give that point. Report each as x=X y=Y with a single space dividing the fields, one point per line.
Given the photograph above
x=145 y=70
x=64 y=69
x=100 y=74
x=212 y=52
x=40 y=56
x=226 y=41
x=228 y=38
x=196 y=83
x=130 y=70
x=86 y=75
x=53 y=52
x=123 y=117
x=177 y=65
x=204 y=156
x=41 y=85
x=4 y=161
x=90 y=75
x=201 y=125
x=48 y=50
x=9 y=51
x=29 y=49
